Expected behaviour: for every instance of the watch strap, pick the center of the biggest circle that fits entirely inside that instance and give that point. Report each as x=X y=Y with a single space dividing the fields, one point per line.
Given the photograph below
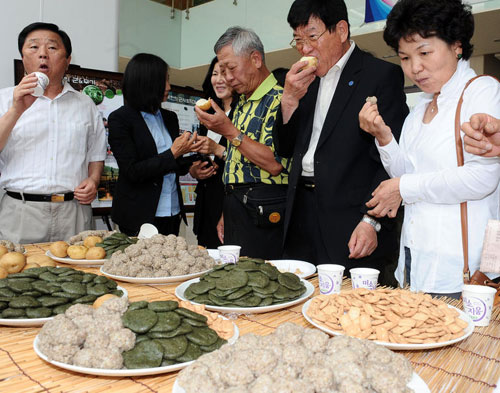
x=374 y=223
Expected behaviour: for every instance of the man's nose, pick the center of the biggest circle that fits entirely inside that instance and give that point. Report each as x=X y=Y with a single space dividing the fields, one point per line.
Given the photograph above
x=42 y=52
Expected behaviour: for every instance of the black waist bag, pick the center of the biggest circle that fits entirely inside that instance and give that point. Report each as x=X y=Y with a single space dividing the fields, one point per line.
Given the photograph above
x=266 y=204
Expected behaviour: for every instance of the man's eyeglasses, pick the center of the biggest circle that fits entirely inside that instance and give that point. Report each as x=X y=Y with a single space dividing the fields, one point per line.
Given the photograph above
x=298 y=43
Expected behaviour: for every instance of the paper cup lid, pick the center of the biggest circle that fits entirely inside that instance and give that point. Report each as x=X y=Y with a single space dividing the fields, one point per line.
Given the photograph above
x=147 y=231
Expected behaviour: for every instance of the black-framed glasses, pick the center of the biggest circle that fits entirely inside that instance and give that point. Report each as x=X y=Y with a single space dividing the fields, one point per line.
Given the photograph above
x=298 y=43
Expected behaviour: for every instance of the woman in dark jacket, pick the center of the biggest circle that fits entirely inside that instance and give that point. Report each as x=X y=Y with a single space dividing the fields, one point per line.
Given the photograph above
x=210 y=189
x=145 y=141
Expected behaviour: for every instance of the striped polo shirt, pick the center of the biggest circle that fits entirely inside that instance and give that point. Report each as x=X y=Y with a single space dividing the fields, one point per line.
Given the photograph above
x=255 y=118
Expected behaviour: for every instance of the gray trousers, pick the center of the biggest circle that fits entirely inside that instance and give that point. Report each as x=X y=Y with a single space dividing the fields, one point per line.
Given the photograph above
x=39 y=222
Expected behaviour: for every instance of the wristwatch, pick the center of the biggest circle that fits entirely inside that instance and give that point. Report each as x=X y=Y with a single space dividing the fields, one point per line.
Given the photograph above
x=224 y=154
x=237 y=141
x=374 y=223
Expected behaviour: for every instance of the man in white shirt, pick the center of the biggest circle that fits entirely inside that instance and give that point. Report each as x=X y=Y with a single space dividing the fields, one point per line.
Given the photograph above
x=335 y=168
x=52 y=147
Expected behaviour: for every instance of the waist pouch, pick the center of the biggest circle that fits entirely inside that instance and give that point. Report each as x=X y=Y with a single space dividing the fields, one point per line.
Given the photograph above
x=266 y=204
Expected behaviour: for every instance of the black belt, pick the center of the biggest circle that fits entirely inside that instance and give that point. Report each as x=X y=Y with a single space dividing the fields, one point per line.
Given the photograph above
x=229 y=188
x=69 y=196
x=307 y=182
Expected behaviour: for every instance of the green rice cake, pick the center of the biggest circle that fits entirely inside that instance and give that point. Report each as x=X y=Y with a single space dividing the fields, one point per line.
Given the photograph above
x=202 y=336
x=173 y=347
x=38 y=312
x=193 y=352
x=163 y=306
x=139 y=321
x=146 y=354
x=167 y=321
x=137 y=305
x=233 y=279
x=290 y=281
x=191 y=314
x=24 y=302
x=257 y=279
x=210 y=348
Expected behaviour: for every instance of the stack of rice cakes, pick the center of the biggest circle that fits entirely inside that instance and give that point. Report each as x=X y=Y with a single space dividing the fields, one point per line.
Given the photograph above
x=167 y=334
x=248 y=283
x=42 y=292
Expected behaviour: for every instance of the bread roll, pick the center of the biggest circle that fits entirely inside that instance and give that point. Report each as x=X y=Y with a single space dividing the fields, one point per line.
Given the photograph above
x=204 y=104
x=311 y=61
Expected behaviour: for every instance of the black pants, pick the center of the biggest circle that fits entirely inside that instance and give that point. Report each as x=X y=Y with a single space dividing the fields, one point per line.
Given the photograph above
x=303 y=240
x=242 y=226
x=166 y=226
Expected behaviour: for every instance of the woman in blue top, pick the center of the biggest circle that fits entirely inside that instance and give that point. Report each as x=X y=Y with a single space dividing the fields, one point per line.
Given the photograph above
x=145 y=141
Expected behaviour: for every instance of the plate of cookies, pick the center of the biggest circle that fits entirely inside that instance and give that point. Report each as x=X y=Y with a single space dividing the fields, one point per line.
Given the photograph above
x=395 y=318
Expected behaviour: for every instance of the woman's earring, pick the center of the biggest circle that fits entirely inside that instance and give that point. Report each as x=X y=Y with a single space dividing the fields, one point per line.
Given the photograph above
x=459 y=56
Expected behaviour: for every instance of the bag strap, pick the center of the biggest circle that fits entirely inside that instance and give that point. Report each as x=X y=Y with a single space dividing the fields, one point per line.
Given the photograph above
x=460 y=162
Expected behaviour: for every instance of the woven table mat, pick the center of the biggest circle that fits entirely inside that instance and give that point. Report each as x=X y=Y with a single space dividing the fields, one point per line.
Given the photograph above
x=472 y=365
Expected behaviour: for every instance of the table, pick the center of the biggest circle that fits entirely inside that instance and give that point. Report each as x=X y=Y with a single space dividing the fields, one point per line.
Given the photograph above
x=472 y=365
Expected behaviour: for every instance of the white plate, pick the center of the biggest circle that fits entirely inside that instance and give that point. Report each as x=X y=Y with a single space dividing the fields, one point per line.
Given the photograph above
x=214 y=253
x=291 y=265
x=179 y=292
x=123 y=372
x=81 y=262
x=416 y=383
x=36 y=321
x=401 y=347
x=154 y=280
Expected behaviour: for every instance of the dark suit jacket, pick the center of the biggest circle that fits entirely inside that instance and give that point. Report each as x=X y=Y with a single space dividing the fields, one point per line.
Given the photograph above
x=141 y=168
x=347 y=165
x=209 y=201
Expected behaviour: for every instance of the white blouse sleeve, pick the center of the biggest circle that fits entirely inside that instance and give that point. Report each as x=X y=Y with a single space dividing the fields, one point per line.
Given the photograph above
x=392 y=158
x=478 y=177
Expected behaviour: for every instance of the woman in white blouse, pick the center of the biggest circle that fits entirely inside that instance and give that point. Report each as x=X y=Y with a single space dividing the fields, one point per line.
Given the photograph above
x=432 y=39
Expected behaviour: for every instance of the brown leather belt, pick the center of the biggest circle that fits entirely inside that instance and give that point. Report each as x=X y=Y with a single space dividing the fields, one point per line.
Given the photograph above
x=69 y=196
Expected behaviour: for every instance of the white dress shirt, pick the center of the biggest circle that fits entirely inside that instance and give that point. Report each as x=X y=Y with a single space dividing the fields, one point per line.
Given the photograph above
x=327 y=86
x=433 y=186
x=52 y=143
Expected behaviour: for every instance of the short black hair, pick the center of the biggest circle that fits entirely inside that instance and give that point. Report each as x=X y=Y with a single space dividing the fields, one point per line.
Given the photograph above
x=144 y=82
x=330 y=12
x=44 y=26
x=448 y=20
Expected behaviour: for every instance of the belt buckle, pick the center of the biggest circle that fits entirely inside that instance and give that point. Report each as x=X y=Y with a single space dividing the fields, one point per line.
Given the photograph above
x=57 y=198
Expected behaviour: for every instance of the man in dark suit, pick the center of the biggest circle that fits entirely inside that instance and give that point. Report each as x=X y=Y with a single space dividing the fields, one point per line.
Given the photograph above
x=335 y=165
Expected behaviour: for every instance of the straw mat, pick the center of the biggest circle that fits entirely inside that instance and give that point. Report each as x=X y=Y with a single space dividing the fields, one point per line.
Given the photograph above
x=471 y=366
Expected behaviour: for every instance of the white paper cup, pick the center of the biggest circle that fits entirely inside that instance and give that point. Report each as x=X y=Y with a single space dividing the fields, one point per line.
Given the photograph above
x=364 y=277
x=330 y=278
x=43 y=82
x=478 y=303
x=147 y=231
x=229 y=254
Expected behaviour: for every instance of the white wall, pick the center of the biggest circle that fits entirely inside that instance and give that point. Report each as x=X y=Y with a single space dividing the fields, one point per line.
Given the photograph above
x=91 y=24
x=146 y=26
x=209 y=21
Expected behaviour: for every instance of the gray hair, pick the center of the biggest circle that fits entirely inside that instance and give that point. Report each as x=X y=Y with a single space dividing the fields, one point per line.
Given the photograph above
x=244 y=41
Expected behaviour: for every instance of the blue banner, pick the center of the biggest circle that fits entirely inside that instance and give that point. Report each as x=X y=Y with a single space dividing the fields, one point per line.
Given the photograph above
x=377 y=9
